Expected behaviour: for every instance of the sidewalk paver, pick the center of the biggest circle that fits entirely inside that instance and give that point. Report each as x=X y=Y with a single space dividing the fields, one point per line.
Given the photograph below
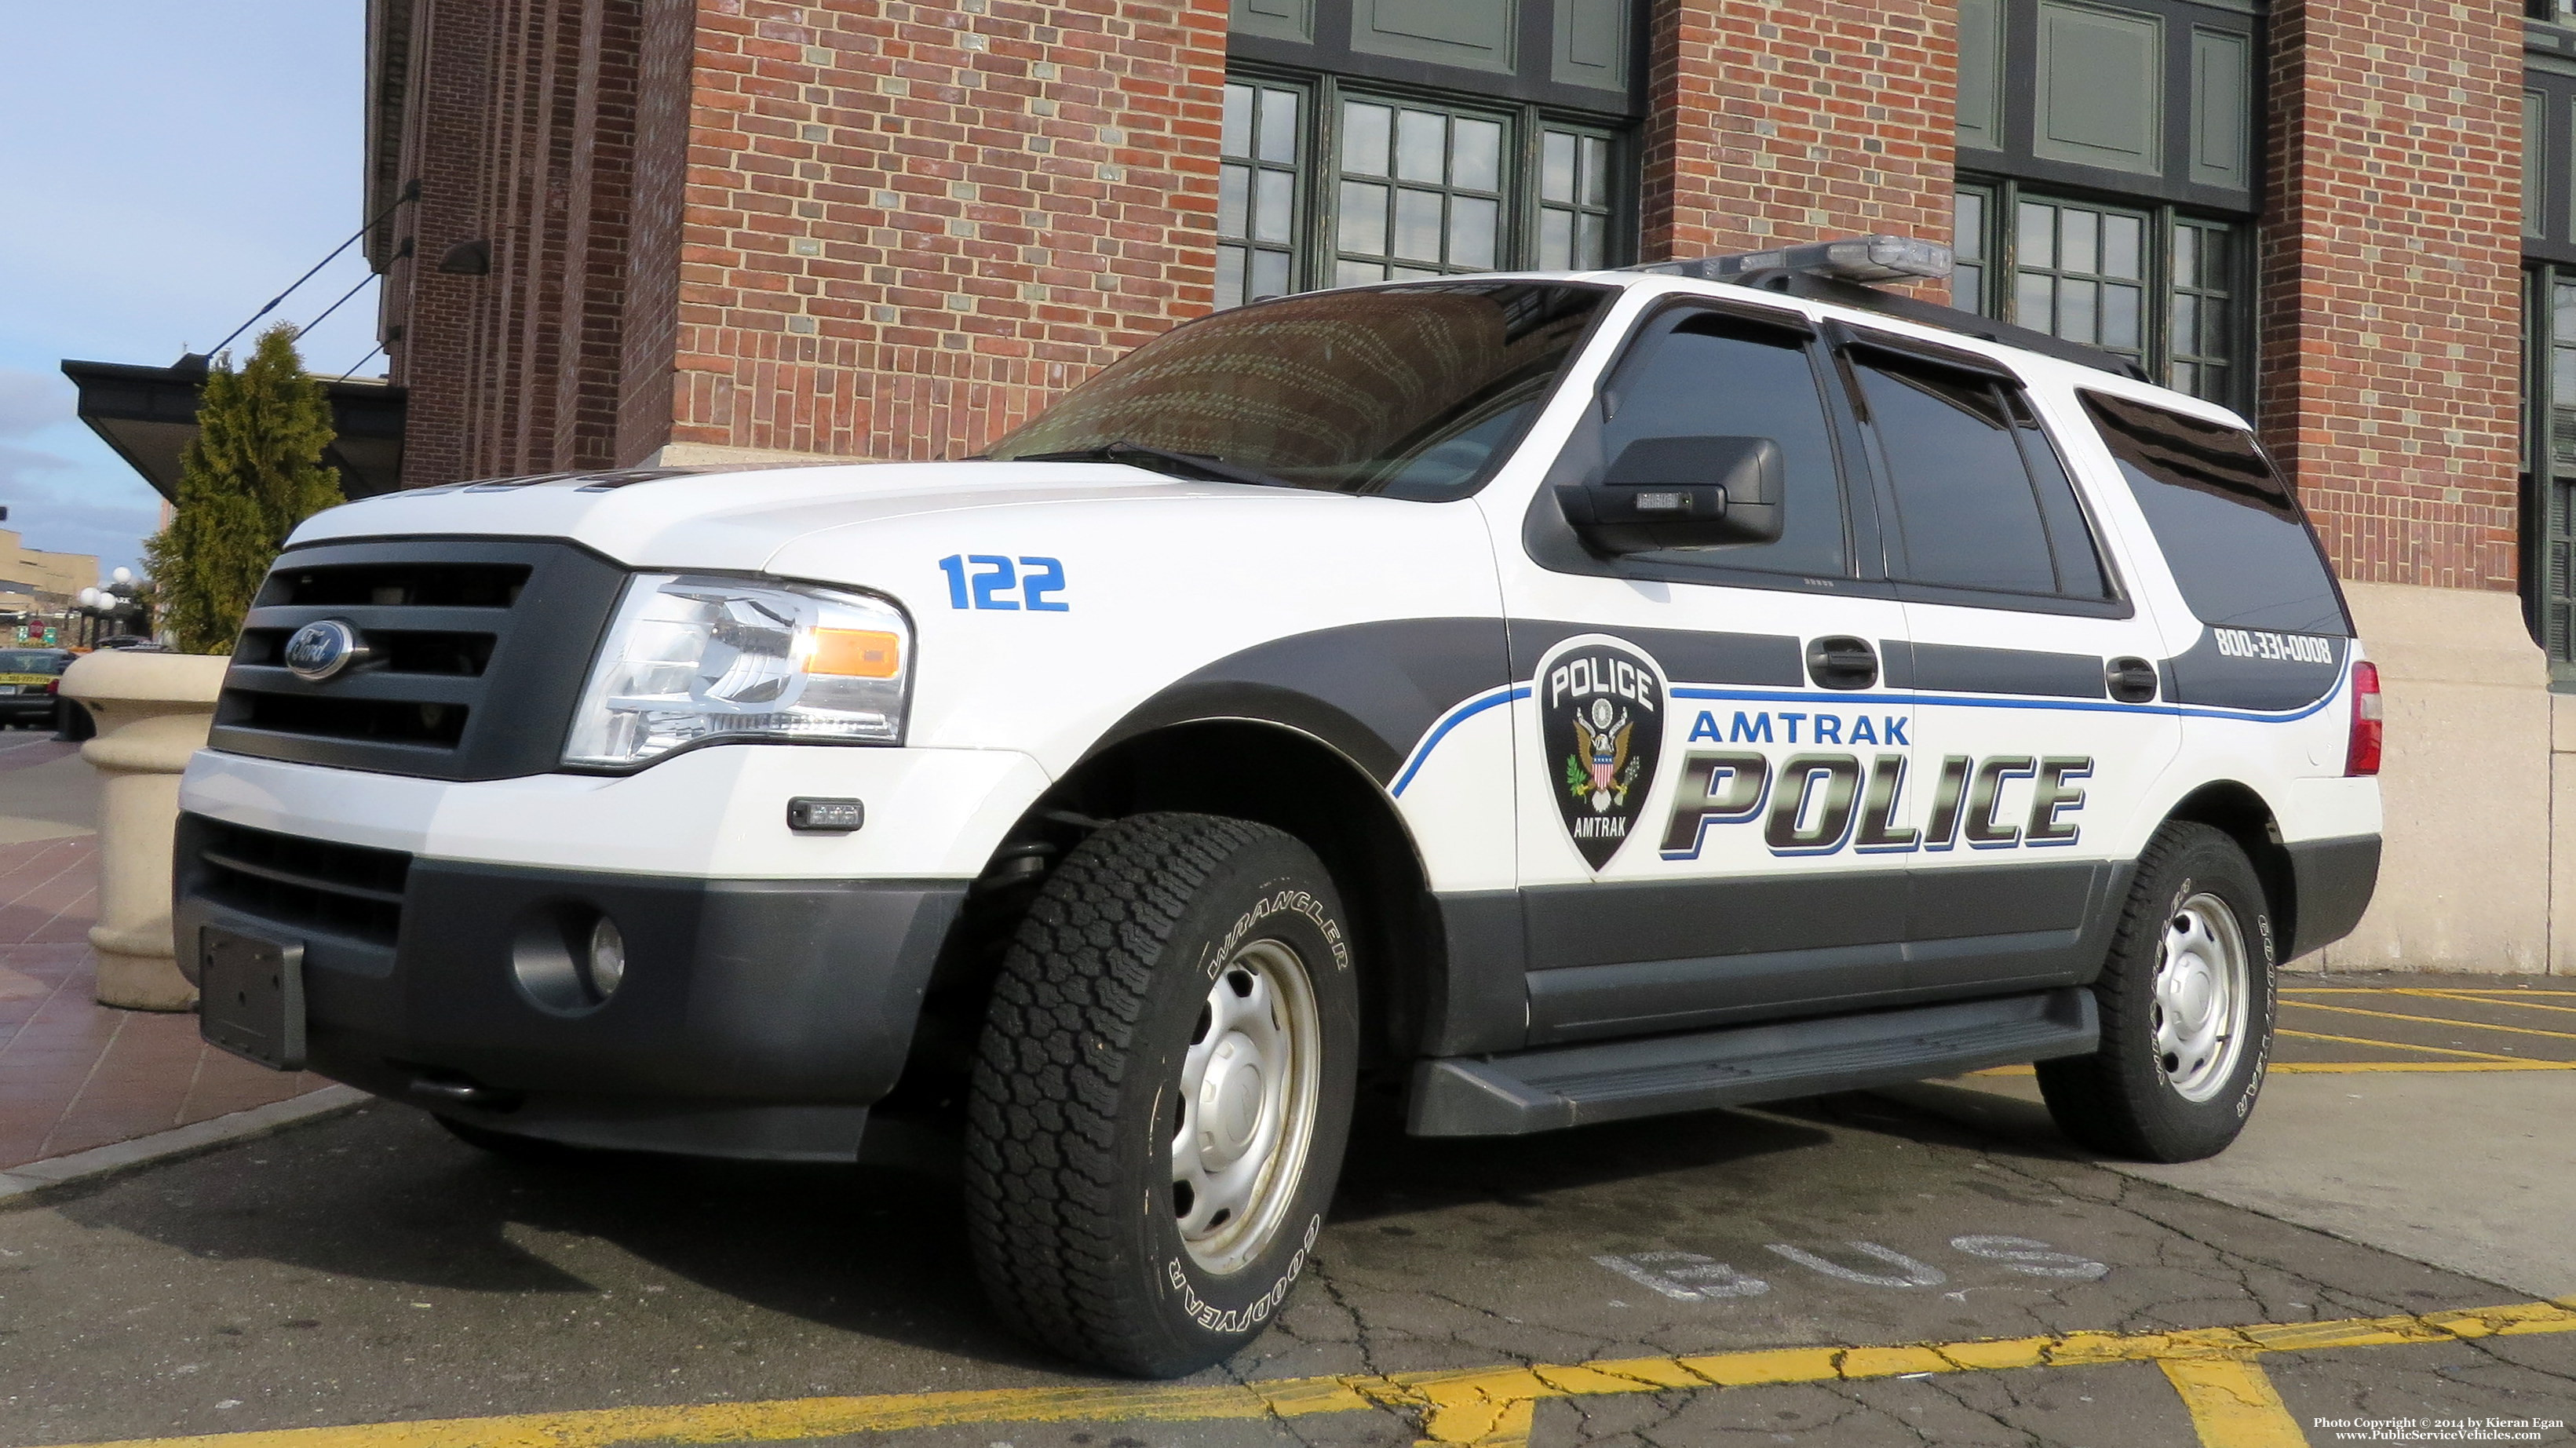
x=75 y=1074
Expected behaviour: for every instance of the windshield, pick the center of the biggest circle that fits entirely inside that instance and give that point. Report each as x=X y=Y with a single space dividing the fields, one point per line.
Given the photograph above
x=1413 y=391
x=30 y=661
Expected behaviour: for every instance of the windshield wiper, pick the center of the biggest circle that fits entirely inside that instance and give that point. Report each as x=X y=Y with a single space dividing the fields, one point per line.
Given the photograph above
x=1160 y=460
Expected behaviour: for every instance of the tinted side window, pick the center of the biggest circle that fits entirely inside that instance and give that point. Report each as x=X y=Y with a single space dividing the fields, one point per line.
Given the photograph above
x=1715 y=376
x=2228 y=525
x=1966 y=514
x=2080 y=573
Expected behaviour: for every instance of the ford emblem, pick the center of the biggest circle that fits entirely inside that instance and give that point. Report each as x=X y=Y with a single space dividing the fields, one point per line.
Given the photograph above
x=322 y=649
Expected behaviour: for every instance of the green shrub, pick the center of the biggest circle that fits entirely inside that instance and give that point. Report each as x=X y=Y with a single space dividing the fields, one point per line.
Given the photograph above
x=252 y=473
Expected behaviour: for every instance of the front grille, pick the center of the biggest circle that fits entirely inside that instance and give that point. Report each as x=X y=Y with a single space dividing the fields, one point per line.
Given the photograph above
x=316 y=885
x=476 y=653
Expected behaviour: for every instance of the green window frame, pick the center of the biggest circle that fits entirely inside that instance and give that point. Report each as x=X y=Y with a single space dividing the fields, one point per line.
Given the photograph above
x=1386 y=183
x=1418 y=189
x=2549 y=465
x=1264 y=142
x=2167 y=289
x=2205 y=321
x=1578 y=183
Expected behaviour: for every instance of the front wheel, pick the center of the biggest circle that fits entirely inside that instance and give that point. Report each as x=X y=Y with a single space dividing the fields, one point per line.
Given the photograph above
x=2187 y=1001
x=1162 y=1092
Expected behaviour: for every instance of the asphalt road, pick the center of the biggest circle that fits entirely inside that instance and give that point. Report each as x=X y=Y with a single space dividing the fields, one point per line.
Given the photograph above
x=364 y=1269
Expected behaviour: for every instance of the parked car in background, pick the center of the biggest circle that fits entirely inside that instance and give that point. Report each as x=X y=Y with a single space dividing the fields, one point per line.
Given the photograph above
x=28 y=678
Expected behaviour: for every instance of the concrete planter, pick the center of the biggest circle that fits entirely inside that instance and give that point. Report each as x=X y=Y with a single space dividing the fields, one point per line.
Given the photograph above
x=152 y=711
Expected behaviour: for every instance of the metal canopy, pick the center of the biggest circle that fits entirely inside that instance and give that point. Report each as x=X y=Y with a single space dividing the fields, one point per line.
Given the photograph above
x=149 y=414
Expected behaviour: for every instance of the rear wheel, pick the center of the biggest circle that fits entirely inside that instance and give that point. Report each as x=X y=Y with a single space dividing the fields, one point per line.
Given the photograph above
x=2187 y=1002
x=1162 y=1093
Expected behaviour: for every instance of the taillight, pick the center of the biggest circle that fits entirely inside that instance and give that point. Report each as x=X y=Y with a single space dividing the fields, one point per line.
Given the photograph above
x=52 y=684
x=2363 y=757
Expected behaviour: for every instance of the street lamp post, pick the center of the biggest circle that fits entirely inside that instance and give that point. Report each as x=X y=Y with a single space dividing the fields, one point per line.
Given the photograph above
x=102 y=608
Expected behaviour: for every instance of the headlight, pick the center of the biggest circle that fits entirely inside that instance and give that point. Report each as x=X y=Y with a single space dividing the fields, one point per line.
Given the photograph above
x=693 y=659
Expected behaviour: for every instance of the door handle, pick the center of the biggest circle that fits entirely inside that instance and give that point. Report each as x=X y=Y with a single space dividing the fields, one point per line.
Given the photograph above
x=2132 y=681
x=1842 y=662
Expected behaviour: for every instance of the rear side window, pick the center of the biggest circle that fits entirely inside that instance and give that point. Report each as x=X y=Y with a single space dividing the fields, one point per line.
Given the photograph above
x=1981 y=499
x=2227 y=523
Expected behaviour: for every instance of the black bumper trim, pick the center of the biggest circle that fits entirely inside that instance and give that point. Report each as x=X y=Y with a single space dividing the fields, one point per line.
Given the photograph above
x=2331 y=882
x=738 y=994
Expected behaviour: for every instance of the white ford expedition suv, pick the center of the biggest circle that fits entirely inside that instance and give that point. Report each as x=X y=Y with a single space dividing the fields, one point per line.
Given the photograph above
x=1564 y=698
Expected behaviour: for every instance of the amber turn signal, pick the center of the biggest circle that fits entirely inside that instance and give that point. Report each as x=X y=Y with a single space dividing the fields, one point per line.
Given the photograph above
x=855 y=653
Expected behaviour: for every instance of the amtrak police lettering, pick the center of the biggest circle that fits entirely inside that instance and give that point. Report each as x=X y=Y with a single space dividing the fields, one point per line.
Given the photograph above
x=1820 y=804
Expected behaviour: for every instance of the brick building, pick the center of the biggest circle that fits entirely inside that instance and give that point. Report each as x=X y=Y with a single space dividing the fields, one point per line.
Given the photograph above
x=663 y=230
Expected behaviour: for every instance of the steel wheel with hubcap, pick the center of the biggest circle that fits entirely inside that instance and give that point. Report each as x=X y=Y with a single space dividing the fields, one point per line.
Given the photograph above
x=1247 y=1101
x=2186 y=1001
x=2200 y=998
x=1162 y=1092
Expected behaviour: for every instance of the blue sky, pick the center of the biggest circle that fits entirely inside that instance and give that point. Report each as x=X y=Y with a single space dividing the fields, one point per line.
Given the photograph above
x=165 y=167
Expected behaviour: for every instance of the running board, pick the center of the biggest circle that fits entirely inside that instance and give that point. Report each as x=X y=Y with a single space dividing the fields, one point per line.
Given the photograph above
x=1561 y=1086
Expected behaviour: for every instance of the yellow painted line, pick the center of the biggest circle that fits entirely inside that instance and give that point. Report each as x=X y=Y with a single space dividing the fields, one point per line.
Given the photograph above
x=1478 y=1406
x=2402 y=989
x=2392 y=1045
x=2346 y=1068
x=2232 y=1404
x=2434 y=1020
x=2480 y=1000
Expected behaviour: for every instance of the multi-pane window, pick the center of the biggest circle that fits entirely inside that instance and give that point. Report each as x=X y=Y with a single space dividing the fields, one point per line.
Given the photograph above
x=2079 y=272
x=1968 y=273
x=1420 y=192
x=1256 y=199
x=2141 y=281
x=1324 y=183
x=1574 y=190
x=2202 y=340
x=2549 y=501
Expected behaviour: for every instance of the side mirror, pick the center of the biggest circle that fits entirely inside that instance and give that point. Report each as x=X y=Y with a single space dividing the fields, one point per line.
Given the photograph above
x=1681 y=492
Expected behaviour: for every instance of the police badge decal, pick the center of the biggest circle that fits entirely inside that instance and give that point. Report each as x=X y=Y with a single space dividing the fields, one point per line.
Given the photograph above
x=1601 y=728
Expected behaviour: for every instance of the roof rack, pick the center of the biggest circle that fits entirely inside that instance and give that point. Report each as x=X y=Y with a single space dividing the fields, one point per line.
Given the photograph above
x=1835 y=271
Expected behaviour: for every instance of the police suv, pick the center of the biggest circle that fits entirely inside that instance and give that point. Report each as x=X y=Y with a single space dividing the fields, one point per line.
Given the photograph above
x=1559 y=698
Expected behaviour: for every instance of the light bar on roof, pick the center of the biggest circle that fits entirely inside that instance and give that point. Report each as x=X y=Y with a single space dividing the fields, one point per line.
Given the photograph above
x=1850 y=259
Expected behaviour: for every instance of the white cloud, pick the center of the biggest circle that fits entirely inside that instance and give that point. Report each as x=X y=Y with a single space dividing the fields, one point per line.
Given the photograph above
x=30 y=401
x=18 y=463
x=64 y=506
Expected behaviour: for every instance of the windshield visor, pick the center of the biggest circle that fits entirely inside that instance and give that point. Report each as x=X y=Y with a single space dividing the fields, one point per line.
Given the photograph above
x=1414 y=391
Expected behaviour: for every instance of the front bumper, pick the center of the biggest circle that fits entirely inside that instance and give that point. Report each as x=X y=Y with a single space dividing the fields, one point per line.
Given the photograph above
x=757 y=1017
x=774 y=978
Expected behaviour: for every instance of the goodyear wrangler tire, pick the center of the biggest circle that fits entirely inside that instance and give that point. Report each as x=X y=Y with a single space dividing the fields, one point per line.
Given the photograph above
x=1162 y=1093
x=2187 y=1001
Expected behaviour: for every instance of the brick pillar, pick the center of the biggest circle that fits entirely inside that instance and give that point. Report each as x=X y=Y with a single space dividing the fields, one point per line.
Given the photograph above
x=2389 y=370
x=597 y=199
x=649 y=336
x=519 y=120
x=1779 y=121
x=905 y=227
x=2391 y=291
x=426 y=313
